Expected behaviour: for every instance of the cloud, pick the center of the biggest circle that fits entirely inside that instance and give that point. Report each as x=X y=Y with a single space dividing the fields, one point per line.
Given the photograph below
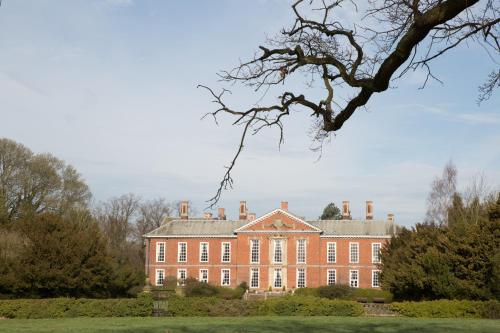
x=119 y=3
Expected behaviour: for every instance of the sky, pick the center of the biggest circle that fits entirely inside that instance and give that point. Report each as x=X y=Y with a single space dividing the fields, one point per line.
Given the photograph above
x=109 y=86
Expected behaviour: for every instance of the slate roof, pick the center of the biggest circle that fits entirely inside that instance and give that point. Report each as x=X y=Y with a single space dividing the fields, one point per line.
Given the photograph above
x=200 y=227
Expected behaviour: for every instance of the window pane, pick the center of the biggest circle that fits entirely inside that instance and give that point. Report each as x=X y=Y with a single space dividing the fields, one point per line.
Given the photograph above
x=203 y=252
x=278 y=251
x=277 y=278
x=254 y=278
x=354 y=253
x=182 y=249
x=255 y=249
x=301 y=278
x=354 y=279
x=331 y=252
x=331 y=277
x=226 y=252
x=160 y=277
x=376 y=252
x=225 y=277
x=375 y=279
x=160 y=252
x=301 y=251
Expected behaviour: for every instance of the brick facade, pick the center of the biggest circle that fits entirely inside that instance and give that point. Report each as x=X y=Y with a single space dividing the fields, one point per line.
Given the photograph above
x=278 y=227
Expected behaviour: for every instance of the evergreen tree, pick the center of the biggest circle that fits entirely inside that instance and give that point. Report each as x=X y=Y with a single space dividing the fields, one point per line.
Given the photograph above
x=331 y=212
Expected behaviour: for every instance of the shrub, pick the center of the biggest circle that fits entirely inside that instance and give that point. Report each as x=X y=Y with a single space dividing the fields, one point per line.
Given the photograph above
x=370 y=294
x=307 y=292
x=309 y=306
x=449 y=309
x=194 y=287
x=337 y=291
x=68 y=307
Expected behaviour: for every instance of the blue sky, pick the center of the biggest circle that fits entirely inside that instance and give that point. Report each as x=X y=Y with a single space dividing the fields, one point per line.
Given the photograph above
x=110 y=87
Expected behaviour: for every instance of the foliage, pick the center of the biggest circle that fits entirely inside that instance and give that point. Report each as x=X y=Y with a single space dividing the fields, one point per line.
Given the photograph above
x=340 y=291
x=331 y=212
x=195 y=288
x=449 y=309
x=36 y=183
x=306 y=292
x=344 y=292
x=458 y=261
x=69 y=307
x=280 y=306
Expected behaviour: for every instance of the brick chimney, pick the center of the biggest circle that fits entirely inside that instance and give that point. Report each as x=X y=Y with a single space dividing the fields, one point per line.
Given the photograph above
x=221 y=212
x=346 y=213
x=251 y=216
x=369 y=210
x=390 y=217
x=284 y=205
x=243 y=210
x=184 y=207
x=207 y=216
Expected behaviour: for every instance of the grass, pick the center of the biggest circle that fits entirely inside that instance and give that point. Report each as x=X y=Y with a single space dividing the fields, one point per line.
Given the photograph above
x=248 y=324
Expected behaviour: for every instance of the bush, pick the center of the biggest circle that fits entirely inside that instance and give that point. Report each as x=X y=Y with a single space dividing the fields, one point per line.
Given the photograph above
x=336 y=291
x=307 y=292
x=370 y=294
x=279 y=306
x=193 y=288
x=449 y=309
x=68 y=307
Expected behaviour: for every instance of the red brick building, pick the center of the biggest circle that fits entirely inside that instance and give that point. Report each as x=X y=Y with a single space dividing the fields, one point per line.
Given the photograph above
x=277 y=250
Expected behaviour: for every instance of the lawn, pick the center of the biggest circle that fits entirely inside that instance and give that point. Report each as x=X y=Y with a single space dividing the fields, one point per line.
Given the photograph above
x=249 y=324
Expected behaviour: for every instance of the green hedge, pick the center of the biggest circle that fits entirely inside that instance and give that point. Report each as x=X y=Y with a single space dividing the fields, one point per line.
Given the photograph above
x=68 y=307
x=279 y=306
x=344 y=292
x=449 y=309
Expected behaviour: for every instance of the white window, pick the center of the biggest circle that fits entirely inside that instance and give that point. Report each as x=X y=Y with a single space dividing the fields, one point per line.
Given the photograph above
x=254 y=278
x=376 y=252
x=181 y=276
x=301 y=277
x=331 y=277
x=354 y=252
x=160 y=252
x=331 y=252
x=225 y=277
x=204 y=275
x=160 y=277
x=203 y=252
x=375 y=278
x=254 y=251
x=354 y=278
x=278 y=278
x=182 y=252
x=226 y=252
x=278 y=251
x=301 y=251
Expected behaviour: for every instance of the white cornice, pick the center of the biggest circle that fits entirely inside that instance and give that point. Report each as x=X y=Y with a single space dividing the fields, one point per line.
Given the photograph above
x=263 y=217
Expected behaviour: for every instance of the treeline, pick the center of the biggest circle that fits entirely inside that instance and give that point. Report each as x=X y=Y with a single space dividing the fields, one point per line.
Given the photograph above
x=55 y=242
x=455 y=253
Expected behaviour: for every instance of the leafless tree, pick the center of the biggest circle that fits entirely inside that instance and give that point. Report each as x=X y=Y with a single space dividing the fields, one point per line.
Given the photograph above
x=354 y=48
x=440 y=198
x=152 y=213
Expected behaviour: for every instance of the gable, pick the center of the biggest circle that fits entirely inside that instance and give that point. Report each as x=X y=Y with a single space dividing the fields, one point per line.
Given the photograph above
x=278 y=221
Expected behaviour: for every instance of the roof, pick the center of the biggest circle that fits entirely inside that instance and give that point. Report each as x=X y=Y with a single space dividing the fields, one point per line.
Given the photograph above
x=355 y=227
x=229 y=228
x=197 y=227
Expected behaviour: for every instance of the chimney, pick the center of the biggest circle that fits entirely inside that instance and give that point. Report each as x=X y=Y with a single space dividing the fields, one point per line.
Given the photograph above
x=221 y=212
x=284 y=205
x=369 y=210
x=184 y=210
x=243 y=210
x=251 y=216
x=346 y=213
x=390 y=217
x=207 y=216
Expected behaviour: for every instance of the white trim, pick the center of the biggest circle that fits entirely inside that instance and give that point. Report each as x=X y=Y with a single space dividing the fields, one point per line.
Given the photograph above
x=373 y=256
x=334 y=250
x=350 y=257
x=156 y=276
x=179 y=270
x=222 y=277
x=263 y=217
x=200 y=275
x=350 y=278
x=191 y=236
x=222 y=252
x=251 y=249
x=297 y=277
x=158 y=251
x=374 y=271
x=251 y=278
x=297 y=251
x=179 y=252
x=208 y=251
x=328 y=275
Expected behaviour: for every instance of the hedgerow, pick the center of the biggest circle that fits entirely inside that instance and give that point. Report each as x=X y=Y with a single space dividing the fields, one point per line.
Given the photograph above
x=449 y=309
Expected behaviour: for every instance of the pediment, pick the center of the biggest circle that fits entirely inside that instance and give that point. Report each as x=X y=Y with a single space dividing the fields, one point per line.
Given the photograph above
x=278 y=221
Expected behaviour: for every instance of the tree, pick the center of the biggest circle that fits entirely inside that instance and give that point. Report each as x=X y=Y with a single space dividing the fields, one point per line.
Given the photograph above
x=37 y=183
x=331 y=212
x=356 y=48
x=152 y=214
x=441 y=195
